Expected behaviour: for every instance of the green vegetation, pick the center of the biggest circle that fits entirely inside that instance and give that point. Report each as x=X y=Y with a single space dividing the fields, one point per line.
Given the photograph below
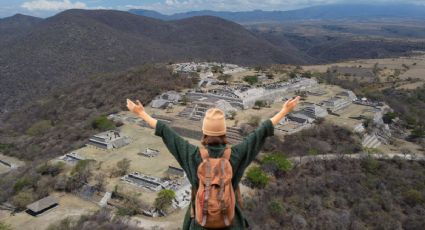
x=254 y=120
x=80 y=175
x=131 y=207
x=260 y=103
x=370 y=165
x=259 y=68
x=256 y=177
x=414 y=197
x=23 y=198
x=323 y=138
x=418 y=132
x=5 y=147
x=293 y=74
x=164 y=199
x=251 y=79
x=22 y=183
x=51 y=169
x=39 y=128
x=276 y=163
x=389 y=117
x=121 y=168
x=103 y=123
x=275 y=206
x=307 y=74
x=217 y=69
x=4 y=226
x=342 y=194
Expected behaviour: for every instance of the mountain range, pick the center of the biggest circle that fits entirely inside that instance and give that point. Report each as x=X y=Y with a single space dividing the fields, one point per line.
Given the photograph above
x=41 y=54
x=361 y=12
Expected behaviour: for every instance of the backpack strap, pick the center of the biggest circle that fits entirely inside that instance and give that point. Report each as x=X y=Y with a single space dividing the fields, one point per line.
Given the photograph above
x=227 y=153
x=220 y=195
x=206 y=191
x=239 y=197
x=204 y=153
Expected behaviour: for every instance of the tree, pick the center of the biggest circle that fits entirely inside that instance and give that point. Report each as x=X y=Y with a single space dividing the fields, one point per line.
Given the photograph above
x=224 y=77
x=217 y=69
x=102 y=123
x=251 y=79
x=100 y=182
x=122 y=167
x=418 y=132
x=39 y=128
x=132 y=206
x=293 y=74
x=80 y=175
x=184 y=100
x=23 y=198
x=51 y=169
x=389 y=117
x=307 y=74
x=258 y=68
x=164 y=199
x=260 y=103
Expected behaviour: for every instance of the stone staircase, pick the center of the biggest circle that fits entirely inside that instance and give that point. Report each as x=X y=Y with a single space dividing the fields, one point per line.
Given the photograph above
x=234 y=135
x=371 y=141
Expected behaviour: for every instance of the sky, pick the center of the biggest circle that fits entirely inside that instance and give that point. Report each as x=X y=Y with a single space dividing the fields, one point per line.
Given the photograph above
x=46 y=8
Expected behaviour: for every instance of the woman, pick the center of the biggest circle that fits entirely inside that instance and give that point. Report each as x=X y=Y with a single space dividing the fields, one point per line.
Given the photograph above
x=214 y=140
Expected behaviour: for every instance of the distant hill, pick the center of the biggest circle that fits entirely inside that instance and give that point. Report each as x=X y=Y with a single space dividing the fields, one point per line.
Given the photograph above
x=16 y=26
x=325 y=12
x=76 y=43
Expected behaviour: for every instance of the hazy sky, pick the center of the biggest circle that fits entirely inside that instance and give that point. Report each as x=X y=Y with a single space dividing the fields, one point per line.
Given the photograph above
x=44 y=8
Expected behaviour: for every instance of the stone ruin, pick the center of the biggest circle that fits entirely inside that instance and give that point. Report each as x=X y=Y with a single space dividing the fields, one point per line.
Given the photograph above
x=140 y=180
x=175 y=171
x=149 y=152
x=109 y=140
x=7 y=164
x=243 y=97
x=314 y=111
x=196 y=110
x=71 y=158
x=337 y=103
x=166 y=100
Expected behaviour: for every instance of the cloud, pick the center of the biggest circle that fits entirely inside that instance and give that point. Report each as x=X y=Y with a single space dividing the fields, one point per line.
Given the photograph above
x=49 y=5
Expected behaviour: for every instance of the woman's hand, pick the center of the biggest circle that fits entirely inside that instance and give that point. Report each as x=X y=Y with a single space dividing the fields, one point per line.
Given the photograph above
x=139 y=110
x=290 y=104
x=136 y=108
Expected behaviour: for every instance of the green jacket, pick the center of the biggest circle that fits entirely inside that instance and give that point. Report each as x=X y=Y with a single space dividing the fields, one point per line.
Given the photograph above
x=188 y=156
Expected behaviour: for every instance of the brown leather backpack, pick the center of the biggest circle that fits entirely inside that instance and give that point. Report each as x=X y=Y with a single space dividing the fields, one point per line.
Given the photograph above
x=215 y=197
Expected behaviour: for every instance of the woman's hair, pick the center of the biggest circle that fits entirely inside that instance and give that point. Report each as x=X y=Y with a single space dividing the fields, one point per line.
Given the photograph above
x=212 y=140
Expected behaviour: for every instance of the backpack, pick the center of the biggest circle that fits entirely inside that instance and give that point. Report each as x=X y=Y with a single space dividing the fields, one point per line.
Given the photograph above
x=215 y=196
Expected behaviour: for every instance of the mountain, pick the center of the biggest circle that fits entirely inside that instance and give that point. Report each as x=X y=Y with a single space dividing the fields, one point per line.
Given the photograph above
x=324 y=12
x=15 y=26
x=77 y=43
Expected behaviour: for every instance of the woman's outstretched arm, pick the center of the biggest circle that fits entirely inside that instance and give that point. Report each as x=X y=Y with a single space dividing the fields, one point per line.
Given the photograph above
x=287 y=107
x=138 y=109
x=248 y=149
x=180 y=148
